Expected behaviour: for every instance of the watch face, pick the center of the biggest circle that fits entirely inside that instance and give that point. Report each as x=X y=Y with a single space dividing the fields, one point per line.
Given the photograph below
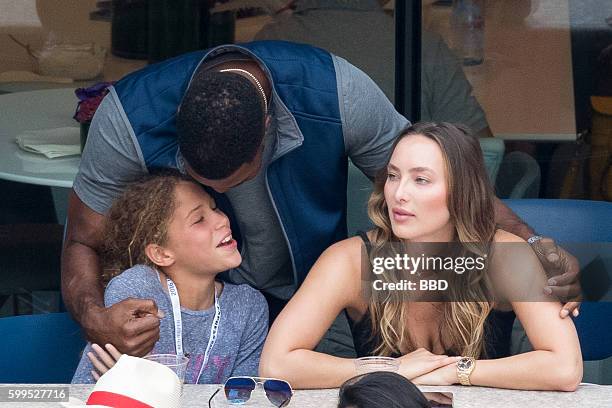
x=465 y=364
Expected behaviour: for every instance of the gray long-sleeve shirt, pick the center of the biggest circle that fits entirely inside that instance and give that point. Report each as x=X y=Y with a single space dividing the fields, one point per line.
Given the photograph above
x=242 y=329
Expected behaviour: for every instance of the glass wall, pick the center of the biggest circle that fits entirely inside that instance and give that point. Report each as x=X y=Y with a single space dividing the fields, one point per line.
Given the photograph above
x=534 y=73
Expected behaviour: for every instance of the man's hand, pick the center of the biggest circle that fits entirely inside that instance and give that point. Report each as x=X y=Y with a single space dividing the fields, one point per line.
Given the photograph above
x=563 y=273
x=131 y=325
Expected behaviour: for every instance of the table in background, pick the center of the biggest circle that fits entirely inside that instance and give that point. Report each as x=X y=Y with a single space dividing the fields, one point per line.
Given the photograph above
x=42 y=109
x=587 y=396
x=525 y=84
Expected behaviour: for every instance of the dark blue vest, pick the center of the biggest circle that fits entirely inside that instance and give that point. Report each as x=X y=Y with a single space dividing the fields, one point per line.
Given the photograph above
x=307 y=184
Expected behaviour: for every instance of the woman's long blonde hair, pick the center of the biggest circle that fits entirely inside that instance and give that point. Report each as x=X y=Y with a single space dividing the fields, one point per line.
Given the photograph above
x=470 y=204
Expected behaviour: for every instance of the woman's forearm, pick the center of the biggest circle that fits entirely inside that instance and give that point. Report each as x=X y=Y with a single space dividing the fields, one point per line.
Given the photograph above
x=308 y=369
x=535 y=370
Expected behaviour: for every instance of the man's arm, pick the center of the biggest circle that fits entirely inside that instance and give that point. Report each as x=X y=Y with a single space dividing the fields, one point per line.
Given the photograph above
x=82 y=289
x=132 y=325
x=562 y=267
x=509 y=221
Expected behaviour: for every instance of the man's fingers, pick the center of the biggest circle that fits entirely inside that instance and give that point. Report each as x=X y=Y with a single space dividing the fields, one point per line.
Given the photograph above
x=141 y=307
x=548 y=249
x=560 y=292
x=140 y=325
x=564 y=293
x=142 y=344
x=570 y=308
x=95 y=375
x=566 y=278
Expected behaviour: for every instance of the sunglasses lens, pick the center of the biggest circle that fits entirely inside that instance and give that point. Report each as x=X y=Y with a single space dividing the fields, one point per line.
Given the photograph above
x=278 y=392
x=238 y=390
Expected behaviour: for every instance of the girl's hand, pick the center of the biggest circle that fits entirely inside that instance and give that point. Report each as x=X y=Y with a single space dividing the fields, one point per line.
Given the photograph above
x=446 y=375
x=103 y=360
x=421 y=362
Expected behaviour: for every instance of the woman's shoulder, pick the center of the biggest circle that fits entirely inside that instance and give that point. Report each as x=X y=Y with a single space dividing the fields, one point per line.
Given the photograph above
x=349 y=248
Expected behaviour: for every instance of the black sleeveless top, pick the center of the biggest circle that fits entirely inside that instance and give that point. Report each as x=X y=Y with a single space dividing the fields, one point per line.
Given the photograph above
x=497 y=331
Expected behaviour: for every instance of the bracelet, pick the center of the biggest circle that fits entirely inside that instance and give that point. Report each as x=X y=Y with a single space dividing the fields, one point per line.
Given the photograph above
x=533 y=239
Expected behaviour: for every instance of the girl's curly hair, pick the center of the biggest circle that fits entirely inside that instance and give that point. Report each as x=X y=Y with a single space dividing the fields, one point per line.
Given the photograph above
x=139 y=217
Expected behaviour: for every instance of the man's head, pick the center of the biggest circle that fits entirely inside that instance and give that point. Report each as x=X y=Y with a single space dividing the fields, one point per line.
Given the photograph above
x=221 y=124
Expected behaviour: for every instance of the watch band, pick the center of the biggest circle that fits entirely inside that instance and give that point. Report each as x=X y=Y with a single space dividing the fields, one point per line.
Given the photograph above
x=465 y=366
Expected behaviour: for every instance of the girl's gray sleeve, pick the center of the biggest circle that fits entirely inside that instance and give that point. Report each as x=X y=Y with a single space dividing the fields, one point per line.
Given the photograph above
x=253 y=338
x=82 y=375
x=133 y=283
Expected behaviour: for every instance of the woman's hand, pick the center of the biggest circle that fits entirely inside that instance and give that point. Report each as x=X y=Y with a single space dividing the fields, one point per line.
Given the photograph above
x=422 y=362
x=446 y=375
x=103 y=360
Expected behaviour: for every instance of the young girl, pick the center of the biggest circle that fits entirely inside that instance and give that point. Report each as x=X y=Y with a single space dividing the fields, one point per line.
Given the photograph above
x=169 y=239
x=434 y=189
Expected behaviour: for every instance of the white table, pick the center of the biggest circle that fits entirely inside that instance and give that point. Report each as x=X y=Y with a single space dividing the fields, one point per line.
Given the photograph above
x=587 y=396
x=42 y=109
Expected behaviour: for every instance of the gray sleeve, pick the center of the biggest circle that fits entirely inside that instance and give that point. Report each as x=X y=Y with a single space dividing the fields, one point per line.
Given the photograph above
x=447 y=94
x=370 y=123
x=253 y=338
x=82 y=375
x=110 y=160
x=137 y=282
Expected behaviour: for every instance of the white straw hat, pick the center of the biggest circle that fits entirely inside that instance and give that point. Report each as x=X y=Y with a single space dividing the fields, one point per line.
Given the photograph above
x=137 y=383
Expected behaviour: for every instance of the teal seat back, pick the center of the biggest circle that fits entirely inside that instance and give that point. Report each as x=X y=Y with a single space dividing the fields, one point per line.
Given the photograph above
x=39 y=349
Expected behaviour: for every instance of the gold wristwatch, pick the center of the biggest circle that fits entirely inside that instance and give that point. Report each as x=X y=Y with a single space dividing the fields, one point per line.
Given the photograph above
x=465 y=366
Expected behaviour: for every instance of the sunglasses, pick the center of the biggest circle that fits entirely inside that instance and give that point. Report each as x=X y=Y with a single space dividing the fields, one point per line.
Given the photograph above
x=238 y=390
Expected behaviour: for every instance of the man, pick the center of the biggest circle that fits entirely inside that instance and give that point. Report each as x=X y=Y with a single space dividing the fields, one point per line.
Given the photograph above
x=267 y=127
x=364 y=34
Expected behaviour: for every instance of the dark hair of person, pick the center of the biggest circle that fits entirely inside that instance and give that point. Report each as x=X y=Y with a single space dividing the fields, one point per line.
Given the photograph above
x=220 y=123
x=381 y=389
x=139 y=217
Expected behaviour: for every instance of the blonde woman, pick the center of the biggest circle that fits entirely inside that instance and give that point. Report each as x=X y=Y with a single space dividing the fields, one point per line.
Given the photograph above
x=434 y=189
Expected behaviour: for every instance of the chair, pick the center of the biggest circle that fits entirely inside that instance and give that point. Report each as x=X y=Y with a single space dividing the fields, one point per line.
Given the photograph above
x=493 y=154
x=518 y=177
x=585 y=227
x=39 y=349
x=359 y=187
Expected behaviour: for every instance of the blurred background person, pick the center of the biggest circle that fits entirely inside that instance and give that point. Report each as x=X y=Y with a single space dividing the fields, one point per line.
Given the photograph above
x=363 y=33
